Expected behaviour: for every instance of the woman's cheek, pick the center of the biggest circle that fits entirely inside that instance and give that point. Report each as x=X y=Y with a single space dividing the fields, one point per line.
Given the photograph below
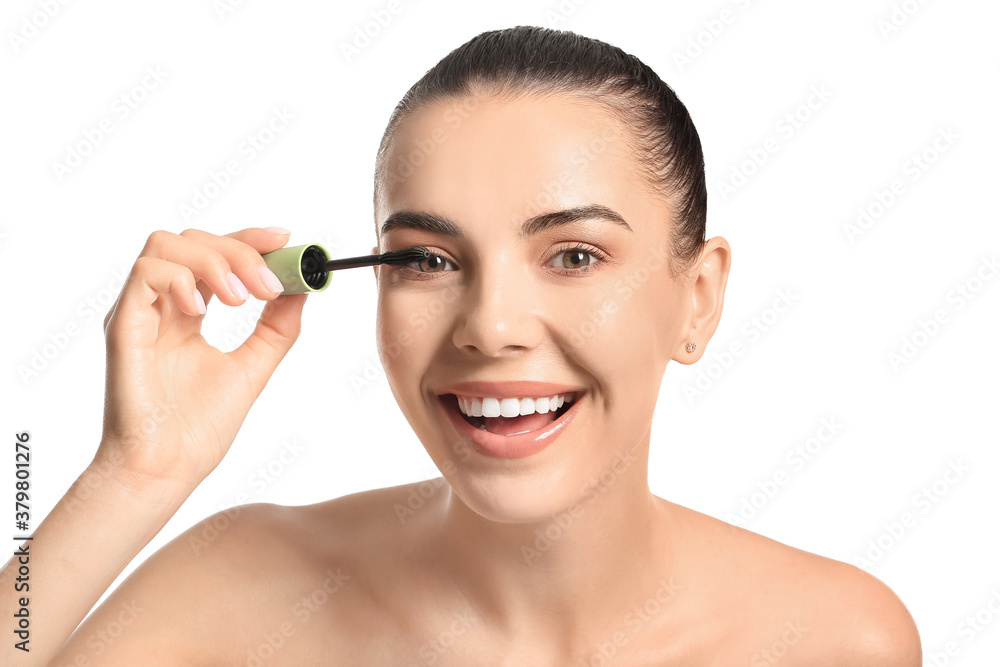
x=434 y=310
x=395 y=337
x=408 y=320
x=596 y=318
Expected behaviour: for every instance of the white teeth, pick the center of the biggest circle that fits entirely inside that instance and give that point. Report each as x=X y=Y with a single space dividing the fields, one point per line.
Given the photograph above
x=512 y=407
x=491 y=407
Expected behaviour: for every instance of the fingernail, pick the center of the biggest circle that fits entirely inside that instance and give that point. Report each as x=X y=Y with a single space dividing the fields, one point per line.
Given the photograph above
x=276 y=230
x=199 y=301
x=269 y=279
x=236 y=285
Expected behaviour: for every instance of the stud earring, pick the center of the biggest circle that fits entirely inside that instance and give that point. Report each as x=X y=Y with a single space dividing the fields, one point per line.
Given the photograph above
x=691 y=347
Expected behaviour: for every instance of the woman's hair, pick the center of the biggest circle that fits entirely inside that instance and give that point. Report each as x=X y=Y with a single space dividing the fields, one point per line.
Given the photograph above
x=534 y=60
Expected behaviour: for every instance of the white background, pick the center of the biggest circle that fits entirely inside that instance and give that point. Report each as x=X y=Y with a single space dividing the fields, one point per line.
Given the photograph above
x=894 y=76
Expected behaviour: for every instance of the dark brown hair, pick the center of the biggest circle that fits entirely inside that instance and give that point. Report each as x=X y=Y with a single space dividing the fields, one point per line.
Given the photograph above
x=535 y=60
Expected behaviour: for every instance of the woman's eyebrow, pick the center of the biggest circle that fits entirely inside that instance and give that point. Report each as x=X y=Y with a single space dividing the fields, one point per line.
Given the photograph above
x=430 y=222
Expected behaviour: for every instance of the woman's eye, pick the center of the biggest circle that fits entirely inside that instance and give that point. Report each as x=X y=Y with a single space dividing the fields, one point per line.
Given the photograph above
x=574 y=260
x=577 y=260
x=433 y=264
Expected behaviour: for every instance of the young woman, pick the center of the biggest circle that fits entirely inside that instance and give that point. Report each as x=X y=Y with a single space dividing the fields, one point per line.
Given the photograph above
x=560 y=186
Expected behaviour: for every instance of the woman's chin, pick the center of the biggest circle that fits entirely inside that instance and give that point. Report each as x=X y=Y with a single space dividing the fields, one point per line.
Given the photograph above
x=512 y=499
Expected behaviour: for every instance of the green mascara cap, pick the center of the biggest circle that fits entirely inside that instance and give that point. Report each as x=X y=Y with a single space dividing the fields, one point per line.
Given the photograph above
x=300 y=268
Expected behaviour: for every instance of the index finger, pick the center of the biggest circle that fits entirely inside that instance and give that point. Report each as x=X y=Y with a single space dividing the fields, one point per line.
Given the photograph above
x=262 y=239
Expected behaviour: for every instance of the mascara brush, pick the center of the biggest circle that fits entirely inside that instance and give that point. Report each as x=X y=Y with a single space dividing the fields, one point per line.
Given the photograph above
x=395 y=257
x=306 y=268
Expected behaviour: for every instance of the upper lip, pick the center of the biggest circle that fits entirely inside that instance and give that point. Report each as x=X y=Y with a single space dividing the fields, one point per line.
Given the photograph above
x=509 y=389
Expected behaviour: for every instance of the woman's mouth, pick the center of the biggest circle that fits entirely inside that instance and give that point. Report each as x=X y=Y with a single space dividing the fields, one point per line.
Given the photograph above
x=509 y=427
x=511 y=416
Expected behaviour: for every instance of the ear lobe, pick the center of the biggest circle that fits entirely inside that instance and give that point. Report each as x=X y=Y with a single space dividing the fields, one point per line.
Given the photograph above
x=707 y=295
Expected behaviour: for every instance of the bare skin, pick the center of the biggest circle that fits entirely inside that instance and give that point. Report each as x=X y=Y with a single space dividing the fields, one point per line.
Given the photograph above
x=372 y=592
x=564 y=557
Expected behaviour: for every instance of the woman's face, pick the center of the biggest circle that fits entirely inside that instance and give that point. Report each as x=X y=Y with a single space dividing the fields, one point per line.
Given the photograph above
x=497 y=305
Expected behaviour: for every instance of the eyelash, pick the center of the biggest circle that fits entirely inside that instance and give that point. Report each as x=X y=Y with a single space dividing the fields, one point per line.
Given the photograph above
x=596 y=253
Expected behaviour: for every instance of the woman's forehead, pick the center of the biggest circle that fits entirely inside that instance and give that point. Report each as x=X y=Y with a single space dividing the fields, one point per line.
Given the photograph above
x=529 y=130
x=516 y=155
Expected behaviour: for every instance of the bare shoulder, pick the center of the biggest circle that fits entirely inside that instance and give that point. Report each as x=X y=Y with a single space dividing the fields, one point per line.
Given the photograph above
x=802 y=608
x=868 y=623
x=249 y=576
x=165 y=601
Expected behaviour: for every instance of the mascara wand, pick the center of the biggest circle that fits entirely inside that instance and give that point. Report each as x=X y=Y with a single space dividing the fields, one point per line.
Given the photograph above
x=306 y=268
x=395 y=257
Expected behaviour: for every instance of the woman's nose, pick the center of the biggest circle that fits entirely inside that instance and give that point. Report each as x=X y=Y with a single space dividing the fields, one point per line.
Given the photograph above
x=499 y=312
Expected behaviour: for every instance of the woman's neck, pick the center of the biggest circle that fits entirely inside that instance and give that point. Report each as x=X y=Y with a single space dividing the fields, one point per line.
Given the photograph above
x=572 y=577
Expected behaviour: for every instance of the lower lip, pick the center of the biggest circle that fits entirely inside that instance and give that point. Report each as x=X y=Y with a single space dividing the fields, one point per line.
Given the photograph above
x=508 y=446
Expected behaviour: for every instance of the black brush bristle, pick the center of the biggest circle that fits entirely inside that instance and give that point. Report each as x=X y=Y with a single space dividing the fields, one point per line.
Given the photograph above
x=406 y=255
x=403 y=256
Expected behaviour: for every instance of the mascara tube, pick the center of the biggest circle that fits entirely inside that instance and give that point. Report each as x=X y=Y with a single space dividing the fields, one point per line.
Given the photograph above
x=306 y=268
x=300 y=268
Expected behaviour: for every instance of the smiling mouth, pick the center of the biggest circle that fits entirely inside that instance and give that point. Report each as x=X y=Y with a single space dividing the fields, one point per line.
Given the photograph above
x=509 y=425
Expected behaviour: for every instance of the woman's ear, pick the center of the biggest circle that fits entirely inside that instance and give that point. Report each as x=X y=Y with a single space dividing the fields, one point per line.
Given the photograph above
x=708 y=291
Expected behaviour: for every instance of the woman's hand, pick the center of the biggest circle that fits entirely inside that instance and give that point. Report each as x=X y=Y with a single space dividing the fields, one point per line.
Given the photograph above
x=173 y=403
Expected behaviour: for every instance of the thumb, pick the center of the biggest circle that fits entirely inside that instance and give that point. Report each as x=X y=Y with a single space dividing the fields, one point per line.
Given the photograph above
x=277 y=329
